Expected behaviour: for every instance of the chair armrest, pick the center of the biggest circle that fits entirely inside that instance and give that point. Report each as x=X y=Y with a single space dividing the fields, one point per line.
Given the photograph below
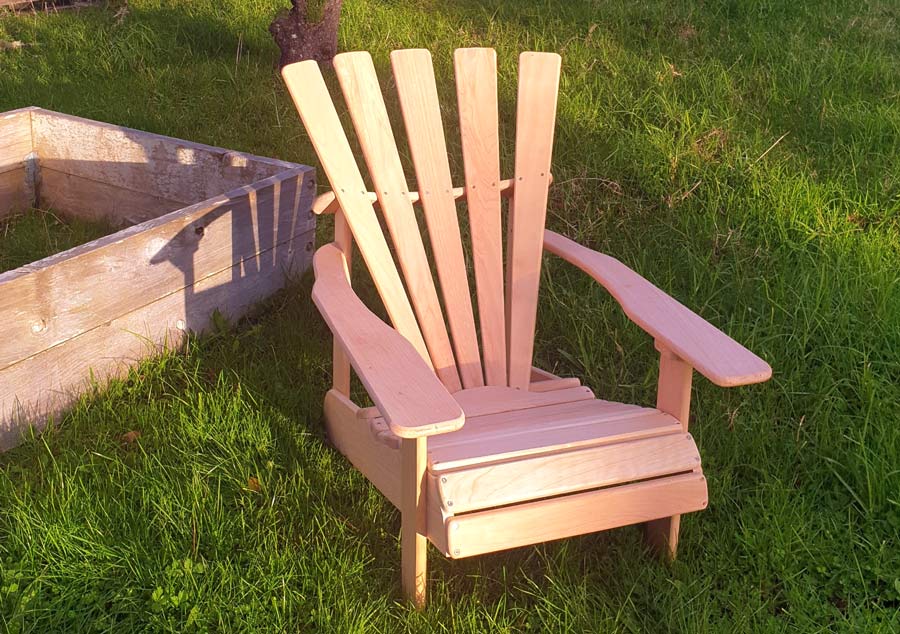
x=711 y=352
x=405 y=389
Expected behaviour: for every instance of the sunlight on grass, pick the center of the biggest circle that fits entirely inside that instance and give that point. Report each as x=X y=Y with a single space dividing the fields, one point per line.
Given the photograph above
x=743 y=156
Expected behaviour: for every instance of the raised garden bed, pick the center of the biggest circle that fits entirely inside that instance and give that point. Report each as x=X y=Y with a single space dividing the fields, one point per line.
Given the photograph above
x=202 y=229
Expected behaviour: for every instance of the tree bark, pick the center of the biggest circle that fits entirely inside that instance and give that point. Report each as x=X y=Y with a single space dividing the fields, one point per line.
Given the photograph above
x=300 y=39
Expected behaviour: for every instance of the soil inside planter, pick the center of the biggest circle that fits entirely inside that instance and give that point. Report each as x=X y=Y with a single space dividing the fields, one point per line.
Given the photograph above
x=37 y=233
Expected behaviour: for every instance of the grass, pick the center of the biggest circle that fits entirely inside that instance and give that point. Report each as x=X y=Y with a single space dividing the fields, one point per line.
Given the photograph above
x=745 y=156
x=37 y=233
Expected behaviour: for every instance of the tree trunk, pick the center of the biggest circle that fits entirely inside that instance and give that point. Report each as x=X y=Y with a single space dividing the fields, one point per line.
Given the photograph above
x=300 y=39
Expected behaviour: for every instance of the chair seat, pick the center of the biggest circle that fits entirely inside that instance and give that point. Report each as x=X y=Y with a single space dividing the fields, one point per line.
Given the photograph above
x=518 y=446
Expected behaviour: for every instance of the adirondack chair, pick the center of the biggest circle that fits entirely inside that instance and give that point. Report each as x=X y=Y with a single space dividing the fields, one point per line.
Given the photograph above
x=478 y=449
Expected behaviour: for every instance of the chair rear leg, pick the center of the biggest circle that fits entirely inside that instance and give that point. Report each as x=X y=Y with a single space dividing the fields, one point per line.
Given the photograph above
x=413 y=540
x=673 y=397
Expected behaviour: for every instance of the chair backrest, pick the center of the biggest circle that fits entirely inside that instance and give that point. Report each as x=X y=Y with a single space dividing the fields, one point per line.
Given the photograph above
x=444 y=332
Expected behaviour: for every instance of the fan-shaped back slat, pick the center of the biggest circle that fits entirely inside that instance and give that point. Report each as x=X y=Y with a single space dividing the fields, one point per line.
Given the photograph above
x=362 y=93
x=311 y=97
x=419 y=104
x=535 y=118
x=476 y=92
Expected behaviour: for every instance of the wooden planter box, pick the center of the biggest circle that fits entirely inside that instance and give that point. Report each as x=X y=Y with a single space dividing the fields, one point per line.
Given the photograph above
x=204 y=229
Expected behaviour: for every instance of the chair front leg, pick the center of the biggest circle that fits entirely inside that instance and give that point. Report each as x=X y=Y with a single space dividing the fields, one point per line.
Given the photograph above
x=413 y=540
x=343 y=237
x=674 y=398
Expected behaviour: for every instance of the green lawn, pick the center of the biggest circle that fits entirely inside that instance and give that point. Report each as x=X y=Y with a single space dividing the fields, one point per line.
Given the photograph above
x=668 y=157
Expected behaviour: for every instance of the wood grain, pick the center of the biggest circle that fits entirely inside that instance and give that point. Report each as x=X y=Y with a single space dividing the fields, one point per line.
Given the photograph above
x=421 y=111
x=555 y=518
x=49 y=382
x=379 y=464
x=15 y=138
x=405 y=389
x=547 y=475
x=510 y=435
x=313 y=101
x=48 y=302
x=535 y=122
x=94 y=200
x=362 y=93
x=476 y=93
x=143 y=162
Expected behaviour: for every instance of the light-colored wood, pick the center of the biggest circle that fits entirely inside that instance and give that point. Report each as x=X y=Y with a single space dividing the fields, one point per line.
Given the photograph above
x=407 y=392
x=422 y=115
x=541 y=430
x=554 y=384
x=143 y=162
x=48 y=383
x=547 y=475
x=378 y=463
x=555 y=518
x=93 y=200
x=538 y=457
x=673 y=397
x=327 y=202
x=313 y=102
x=480 y=401
x=476 y=92
x=712 y=353
x=362 y=93
x=535 y=121
x=340 y=366
x=64 y=295
x=15 y=138
x=414 y=519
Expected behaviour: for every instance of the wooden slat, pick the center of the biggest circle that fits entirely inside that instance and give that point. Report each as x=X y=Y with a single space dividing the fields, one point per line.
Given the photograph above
x=49 y=382
x=476 y=92
x=93 y=200
x=535 y=119
x=553 y=474
x=481 y=401
x=313 y=102
x=422 y=115
x=15 y=139
x=556 y=518
x=153 y=164
x=546 y=429
x=52 y=300
x=362 y=93
x=554 y=384
x=413 y=519
x=379 y=464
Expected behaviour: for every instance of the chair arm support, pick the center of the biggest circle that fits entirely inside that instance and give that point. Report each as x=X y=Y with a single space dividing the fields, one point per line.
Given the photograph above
x=405 y=389
x=711 y=352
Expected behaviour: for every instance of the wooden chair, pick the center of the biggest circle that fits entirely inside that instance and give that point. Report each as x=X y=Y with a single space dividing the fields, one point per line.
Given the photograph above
x=479 y=450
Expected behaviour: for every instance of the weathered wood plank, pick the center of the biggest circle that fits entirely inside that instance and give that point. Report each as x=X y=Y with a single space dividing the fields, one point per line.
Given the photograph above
x=13 y=194
x=153 y=164
x=93 y=200
x=55 y=299
x=49 y=382
x=15 y=139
